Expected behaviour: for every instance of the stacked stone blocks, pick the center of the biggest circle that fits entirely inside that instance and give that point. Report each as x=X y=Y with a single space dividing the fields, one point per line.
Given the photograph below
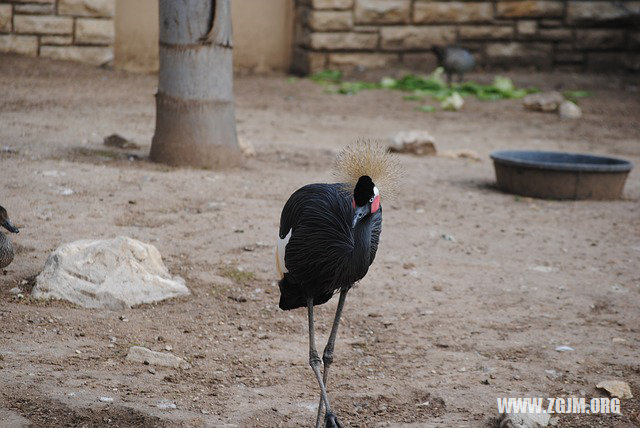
x=541 y=34
x=79 y=30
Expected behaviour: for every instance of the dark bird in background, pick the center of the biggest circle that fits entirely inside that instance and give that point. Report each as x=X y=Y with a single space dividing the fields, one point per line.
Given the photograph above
x=6 y=248
x=454 y=60
x=328 y=238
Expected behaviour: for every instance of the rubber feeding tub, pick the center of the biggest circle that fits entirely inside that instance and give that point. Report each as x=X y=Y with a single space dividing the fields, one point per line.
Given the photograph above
x=558 y=175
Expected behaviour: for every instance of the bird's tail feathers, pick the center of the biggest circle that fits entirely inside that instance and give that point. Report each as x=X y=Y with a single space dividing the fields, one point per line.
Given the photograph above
x=294 y=296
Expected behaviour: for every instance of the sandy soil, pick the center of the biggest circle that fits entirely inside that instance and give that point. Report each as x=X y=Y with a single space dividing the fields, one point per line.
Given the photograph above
x=436 y=331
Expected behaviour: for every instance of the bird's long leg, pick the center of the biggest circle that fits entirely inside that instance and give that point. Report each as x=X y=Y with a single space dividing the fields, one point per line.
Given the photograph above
x=327 y=356
x=314 y=359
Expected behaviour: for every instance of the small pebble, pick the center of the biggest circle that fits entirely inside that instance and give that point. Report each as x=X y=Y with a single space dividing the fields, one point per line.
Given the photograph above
x=151 y=370
x=564 y=348
x=166 y=405
x=552 y=374
x=15 y=290
x=106 y=399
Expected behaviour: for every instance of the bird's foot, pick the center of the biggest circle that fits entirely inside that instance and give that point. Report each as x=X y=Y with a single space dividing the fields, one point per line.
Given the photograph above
x=331 y=421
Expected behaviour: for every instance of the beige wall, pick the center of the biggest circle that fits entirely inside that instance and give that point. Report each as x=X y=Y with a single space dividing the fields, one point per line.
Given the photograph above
x=262 y=32
x=136 y=45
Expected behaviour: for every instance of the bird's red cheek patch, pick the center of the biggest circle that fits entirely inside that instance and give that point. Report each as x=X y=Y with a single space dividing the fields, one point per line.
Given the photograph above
x=353 y=203
x=375 y=205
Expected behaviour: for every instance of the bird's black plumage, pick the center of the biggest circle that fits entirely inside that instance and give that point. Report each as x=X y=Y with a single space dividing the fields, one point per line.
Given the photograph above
x=325 y=253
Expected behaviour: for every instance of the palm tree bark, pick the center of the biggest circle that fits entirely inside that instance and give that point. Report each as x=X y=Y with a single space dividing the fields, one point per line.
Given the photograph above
x=195 y=117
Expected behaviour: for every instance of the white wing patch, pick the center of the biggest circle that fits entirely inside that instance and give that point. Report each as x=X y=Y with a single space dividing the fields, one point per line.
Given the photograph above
x=281 y=247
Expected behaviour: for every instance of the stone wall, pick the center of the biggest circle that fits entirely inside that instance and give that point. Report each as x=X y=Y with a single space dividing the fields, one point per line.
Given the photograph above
x=542 y=34
x=79 y=30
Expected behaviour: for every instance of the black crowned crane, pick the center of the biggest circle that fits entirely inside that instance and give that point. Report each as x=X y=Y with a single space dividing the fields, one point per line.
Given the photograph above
x=328 y=238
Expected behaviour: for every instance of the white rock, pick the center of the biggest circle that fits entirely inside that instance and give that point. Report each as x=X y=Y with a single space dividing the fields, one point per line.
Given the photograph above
x=543 y=101
x=416 y=142
x=460 y=154
x=246 y=147
x=524 y=420
x=106 y=399
x=569 y=110
x=166 y=405
x=140 y=354
x=564 y=348
x=13 y=419
x=552 y=374
x=543 y=269
x=113 y=274
x=616 y=388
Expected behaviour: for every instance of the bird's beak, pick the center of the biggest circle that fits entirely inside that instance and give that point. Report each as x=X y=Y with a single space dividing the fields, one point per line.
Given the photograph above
x=359 y=213
x=10 y=227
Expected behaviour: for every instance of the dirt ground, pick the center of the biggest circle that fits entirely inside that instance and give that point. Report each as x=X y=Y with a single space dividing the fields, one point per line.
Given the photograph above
x=431 y=337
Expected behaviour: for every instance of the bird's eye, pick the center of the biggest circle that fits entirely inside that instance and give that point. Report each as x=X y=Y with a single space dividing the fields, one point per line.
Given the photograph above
x=371 y=200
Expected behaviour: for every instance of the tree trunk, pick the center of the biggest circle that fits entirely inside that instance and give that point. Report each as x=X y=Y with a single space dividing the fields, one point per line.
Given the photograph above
x=195 y=118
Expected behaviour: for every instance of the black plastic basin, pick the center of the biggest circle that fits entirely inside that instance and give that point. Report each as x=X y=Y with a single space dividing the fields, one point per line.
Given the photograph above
x=559 y=175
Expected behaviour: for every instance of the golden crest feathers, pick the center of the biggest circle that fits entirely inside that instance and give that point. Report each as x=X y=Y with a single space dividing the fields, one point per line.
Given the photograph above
x=369 y=158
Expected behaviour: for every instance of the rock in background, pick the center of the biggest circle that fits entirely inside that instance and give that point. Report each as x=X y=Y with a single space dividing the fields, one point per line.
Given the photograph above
x=419 y=143
x=543 y=101
x=616 y=388
x=569 y=110
x=113 y=274
x=524 y=420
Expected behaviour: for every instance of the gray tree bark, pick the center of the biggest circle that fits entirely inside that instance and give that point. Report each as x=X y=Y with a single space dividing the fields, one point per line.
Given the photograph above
x=195 y=117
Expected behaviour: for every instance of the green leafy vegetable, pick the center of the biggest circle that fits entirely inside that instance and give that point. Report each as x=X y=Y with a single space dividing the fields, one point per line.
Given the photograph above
x=426 y=108
x=327 y=76
x=574 y=95
x=432 y=85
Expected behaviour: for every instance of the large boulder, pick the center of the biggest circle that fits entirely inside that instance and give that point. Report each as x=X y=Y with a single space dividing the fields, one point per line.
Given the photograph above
x=111 y=273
